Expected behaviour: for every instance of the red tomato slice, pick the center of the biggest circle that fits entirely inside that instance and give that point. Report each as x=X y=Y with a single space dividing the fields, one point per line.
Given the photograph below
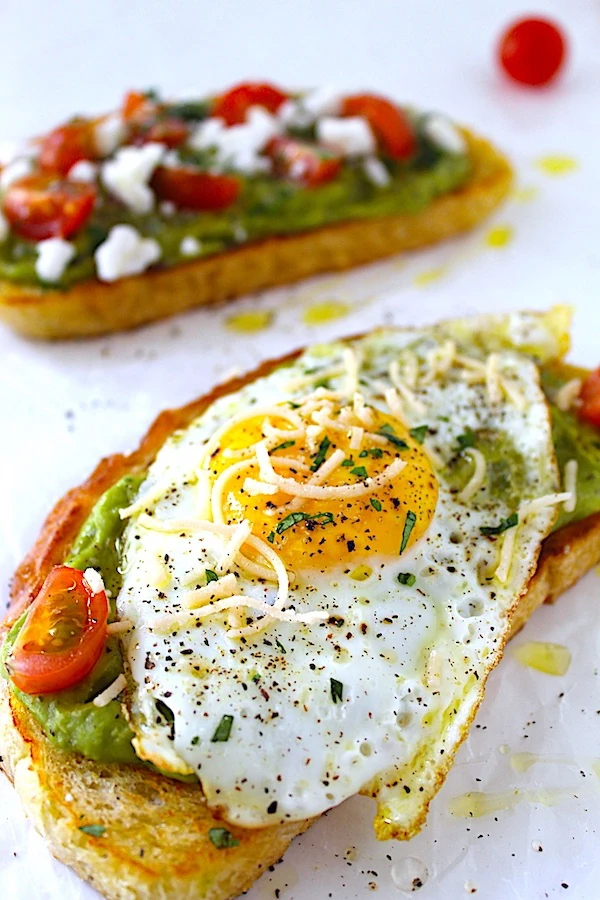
x=389 y=124
x=234 y=105
x=172 y=132
x=589 y=395
x=63 y=636
x=304 y=163
x=532 y=51
x=67 y=145
x=44 y=206
x=188 y=188
x=136 y=106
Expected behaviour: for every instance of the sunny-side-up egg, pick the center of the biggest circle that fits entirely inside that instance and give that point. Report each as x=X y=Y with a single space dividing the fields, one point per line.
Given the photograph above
x=319 y=570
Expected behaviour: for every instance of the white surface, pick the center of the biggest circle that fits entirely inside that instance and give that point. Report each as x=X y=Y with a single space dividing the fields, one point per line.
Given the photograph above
x=63 y=406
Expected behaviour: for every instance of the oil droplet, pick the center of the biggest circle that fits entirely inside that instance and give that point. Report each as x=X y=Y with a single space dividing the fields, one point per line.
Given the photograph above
x=361 y=573
x=251 y=321
x=504 y=749
x=596 y=768
x=522 y=762
x=500 y=236
x=477 y=803
x=557 y=164
x=326 y=311
x=428 y=277
x=351 y=854
x=409 y=875
x=553 y=659
x=470 y=888
x=525 y=194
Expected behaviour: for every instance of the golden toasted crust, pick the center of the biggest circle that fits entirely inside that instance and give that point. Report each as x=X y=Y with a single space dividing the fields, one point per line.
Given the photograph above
x=93 y=307
x=155 y=843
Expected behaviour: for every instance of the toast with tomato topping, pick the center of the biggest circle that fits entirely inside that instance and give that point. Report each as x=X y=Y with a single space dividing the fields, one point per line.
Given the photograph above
x=118 y=221
x=131 y=831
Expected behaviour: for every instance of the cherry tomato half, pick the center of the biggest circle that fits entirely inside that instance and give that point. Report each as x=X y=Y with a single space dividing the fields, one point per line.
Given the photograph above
x=589 y=395
x=188 y=188
x=137 y=105
x=303 y=163
x=532 y=51
x=67 y=145
x=169 y=131
x=45 y=206
x=233 y=106
x=63 y=636
x=388 y=122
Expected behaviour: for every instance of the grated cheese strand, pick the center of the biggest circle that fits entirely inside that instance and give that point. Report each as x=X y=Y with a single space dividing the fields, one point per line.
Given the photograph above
x=120 y=627
x=234 y=545
x=352 y=364
x=191 y=617
x=407 y=395
x=565 y=398
x=492 y=379
x=506 y=555
x=532 y=506
x=392 y=398
x=356 y=437
x=216 y=590
x=570 y=483
x=111 y=692
x=477 y=479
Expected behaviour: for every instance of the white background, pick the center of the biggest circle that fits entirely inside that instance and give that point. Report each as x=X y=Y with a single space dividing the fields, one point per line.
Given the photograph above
x=62 y=406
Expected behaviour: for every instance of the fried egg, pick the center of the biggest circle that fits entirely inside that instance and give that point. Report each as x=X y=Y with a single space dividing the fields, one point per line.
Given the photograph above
x=319 y=571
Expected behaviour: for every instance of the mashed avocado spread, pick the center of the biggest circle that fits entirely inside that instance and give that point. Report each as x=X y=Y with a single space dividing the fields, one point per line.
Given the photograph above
x=71 y=720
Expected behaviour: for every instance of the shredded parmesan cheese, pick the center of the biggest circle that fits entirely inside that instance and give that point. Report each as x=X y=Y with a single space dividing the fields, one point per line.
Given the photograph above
x=111 y=692
x=565 y=398
x=404 y=391
x=149 y=500
x=216 y=590
x=570 y=483
x=506 y=555
x=477 y=479
x=120 y=627
x=492 y=379
x=237 y=539
x=530 y=507
x=356 y=437
x=352 y=363
x=189 y=619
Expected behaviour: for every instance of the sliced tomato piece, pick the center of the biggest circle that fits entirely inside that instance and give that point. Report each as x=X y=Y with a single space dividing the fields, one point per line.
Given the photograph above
x=67 y=145
x=188 y=188
x=63 y=635
x=234 y=105
x=589 y=395
x=136 y=106
x=305 y=163
x=388 y=122
x=45 y=206
x=169 y=131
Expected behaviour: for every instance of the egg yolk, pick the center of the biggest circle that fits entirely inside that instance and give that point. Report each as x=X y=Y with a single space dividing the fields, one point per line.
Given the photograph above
x=323 y=533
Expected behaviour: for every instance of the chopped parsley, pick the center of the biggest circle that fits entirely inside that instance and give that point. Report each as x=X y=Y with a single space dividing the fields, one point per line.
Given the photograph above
x=359 y=471
x=280 y=646
x=348 y=462
x=222 y=839
x=93 y=830
x=337 y=690
x=321 y=453
x=375 y=452
x=466 y=440
x=409 y=524
x=195 y=741
x=271 y=537
x=388 y=432
x=284 y=446
x=375 y=503
x=406 y=578
x=211 y=576
x=419 y=433
x=165 y=711
x=504 y=525
x=323 y=518
x=223 y=730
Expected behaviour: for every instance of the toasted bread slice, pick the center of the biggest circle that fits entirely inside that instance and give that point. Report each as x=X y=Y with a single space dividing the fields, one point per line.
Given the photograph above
x=93 y=307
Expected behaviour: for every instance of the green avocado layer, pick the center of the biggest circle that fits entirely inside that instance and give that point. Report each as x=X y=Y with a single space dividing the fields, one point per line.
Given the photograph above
x=73 y=723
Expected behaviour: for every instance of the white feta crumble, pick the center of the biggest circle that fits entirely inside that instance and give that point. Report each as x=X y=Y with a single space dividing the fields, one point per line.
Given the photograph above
x=14 y=171
x=128 y=173
x=108 y=134
x=168 y=208
x=172 y=159
x=84 y=170
x=54 y=255
x=125 y=252
x=4 y=228
x=94 y=580
x=444 y=134
x=376 y=171
x=349 y=137
x=238 y=146
x=304 y=110
x=190 y=246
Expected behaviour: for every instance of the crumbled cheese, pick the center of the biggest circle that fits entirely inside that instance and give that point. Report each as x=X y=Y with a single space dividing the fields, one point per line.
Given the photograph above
x=376 y=171
x=303 y=111
x=4 y=228
x=84 y=170
x=111 y=692
x=444 y=134
x=14 y=171
x=168 y=208
x=94 y=580
x=565 y=398
x=108 y=134
x=122 y=626
x=239 y=145
x=128 y=173
x=190 y=246
x=570 y=484
x=54 y=255
x=349 y=137
x=125 y=252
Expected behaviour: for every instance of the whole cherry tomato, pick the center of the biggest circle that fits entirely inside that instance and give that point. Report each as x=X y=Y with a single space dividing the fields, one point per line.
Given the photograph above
x=532 y=51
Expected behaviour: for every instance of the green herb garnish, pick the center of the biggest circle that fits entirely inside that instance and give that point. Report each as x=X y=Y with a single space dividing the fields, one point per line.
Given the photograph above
x=271 y=537
x=504 y=525
x=419 y=433
x=93 y=830
x=406 y=578
x=223 y=730
x=388 y=432
x=323 y=518
x=359 y=471
x=195 y=741
x=222 y=839
x=466 y=440
x=337 y=689
x=280 y=646
x=375 y=452
x=284 y=446
x=211 y=576
x=321 y=453
x=409 y=524
x=348 y=462
x=375 y=504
